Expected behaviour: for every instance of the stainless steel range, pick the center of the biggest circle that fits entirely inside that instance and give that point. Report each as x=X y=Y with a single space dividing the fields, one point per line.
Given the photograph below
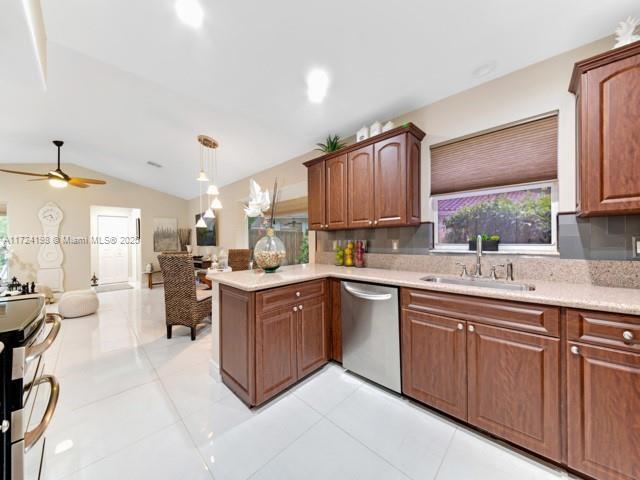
x=26 y=332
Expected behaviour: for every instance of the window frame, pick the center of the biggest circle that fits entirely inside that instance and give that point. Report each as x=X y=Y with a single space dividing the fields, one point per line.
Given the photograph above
x=521 y=248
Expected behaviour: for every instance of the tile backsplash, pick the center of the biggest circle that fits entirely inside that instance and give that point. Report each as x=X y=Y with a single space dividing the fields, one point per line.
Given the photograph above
x=596 y=238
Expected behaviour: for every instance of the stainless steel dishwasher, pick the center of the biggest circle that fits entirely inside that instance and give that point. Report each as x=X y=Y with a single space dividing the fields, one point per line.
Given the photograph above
x=371 y=332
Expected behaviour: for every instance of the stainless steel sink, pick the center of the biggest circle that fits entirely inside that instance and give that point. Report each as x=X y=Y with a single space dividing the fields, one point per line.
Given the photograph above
x=480 y=282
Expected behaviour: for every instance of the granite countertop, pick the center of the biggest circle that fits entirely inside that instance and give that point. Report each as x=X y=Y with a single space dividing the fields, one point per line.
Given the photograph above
x=619 y=300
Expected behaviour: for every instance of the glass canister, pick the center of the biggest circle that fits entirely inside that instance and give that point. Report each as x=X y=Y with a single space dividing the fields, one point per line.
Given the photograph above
x=269 y=252
x=339 y=253
x=360 y=248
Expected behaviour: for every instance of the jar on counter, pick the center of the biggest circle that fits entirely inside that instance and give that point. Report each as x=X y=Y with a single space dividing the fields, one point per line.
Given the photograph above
x=360 y=248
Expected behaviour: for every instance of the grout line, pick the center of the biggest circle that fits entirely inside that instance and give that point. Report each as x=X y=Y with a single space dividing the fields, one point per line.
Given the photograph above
x=446 y=452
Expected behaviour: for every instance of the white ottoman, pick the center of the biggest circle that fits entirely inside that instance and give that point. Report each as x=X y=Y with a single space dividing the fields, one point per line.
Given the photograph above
x=78 y=303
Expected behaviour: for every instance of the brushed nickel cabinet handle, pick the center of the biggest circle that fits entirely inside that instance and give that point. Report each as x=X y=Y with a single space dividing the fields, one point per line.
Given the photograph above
x=460 y=326
x=297 y=294
x=627 y=335
x=472 y=328
x=299 y=307
x=575 y=350
x=295 y=309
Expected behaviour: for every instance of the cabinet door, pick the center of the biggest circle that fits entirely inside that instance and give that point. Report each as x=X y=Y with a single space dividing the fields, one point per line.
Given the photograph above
x=336 y=192
x=361 y=188
x=316 y=196
x=434 y=361
x=603 y=412
x=313 y=336
x=610 y=177
x=514 y=387
x=390 y=179
x=275 y=352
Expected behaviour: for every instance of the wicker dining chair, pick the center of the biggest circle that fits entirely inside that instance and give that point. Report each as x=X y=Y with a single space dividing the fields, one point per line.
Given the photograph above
x=239 y=258
x=184 y=304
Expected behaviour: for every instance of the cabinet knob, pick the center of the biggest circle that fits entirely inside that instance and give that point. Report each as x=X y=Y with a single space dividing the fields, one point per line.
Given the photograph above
x=295 y=309
x=297 y=294
x=472 y=328
x=575 y=350
x=375 y=222
x=370 y=222
x=460 y=326
x=300 y=307
x=627 y=335
x=4 y=427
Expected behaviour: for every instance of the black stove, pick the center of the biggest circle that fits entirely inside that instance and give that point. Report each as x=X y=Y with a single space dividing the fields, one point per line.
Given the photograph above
x=23 y=340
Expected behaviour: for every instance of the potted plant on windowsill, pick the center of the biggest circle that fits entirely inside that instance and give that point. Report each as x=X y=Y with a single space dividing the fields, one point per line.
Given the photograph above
x=489 y=243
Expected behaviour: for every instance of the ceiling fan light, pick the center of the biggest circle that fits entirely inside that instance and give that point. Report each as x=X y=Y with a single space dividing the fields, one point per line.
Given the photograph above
x=202 y=176
x=58 y=183
x=213 y=190
x=209 y=214
x=216 y=204
x=201 y=223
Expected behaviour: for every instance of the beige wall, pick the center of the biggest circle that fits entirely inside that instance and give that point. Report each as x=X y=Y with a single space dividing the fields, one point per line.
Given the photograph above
x=539 y=88
x=24 y=199
x=232 y=223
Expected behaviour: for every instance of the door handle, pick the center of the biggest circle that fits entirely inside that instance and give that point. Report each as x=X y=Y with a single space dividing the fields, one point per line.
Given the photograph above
x=366 y=295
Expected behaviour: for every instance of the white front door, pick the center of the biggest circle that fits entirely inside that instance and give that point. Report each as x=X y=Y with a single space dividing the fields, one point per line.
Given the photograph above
x=113 y=257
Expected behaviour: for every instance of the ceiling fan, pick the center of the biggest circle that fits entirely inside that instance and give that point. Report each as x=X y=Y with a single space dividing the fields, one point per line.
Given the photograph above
x=57 y=178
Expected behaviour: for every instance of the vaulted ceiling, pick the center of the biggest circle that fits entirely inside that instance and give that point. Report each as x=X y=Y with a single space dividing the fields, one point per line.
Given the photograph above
x=128 y=82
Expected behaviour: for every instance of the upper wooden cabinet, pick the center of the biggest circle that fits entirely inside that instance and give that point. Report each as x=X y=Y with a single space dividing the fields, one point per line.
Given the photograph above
x=607 y=89
x=372 y=183
x=336 y=192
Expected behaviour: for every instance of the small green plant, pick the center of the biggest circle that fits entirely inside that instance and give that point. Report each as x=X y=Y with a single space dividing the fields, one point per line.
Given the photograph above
x=495 y=238
x=485 y=237
x=333 y=143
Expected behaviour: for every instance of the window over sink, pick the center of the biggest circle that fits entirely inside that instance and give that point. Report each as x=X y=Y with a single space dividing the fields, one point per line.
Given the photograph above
x=522 y=216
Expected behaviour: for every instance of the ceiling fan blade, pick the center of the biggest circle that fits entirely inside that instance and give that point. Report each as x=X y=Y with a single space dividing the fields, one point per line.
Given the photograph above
x=24 y=173
x=37 y=179
x=77 y=183
x=93 y=181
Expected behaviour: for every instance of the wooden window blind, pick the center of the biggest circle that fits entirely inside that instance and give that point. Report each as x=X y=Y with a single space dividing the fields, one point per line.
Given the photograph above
x=521 y=152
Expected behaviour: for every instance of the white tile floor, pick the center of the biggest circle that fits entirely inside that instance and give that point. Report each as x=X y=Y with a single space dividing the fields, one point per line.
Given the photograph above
x=135 y=405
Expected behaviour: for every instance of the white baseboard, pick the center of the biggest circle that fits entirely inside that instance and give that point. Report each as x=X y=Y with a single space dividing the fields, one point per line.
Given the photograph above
x=214 y=370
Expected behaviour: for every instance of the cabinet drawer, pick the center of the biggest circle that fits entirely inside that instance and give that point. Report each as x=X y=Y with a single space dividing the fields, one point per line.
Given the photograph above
x=282 y=297
x=606 y=329
x=527 y=317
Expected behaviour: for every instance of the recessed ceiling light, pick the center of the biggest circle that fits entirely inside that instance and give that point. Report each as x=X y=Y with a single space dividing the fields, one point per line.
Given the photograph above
x=190 y=12
x=317 y=85
x=484 y=70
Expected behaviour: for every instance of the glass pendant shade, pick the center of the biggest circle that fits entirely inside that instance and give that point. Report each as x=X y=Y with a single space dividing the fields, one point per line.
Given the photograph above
x=202 y=176
x=216 y=204
x=201 y=223
x=209 y=214
x=213 y=190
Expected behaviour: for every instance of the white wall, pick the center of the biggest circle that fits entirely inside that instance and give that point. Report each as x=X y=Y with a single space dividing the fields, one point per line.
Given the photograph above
x=539 y=88
x=24 y=199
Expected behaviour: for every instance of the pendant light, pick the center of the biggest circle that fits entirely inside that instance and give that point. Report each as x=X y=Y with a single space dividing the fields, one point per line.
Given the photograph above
x=200 y=223
x=216 y=204
x=207 y=146
x=211 y=159
x=202 y=175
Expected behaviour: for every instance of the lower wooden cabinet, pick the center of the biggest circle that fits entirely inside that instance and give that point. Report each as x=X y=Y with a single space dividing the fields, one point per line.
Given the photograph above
x=276 y=345
x=514 y=387
x=434 y=361
x=603 y=412
x=312 y=336
x=271 y=339
x=501 y=380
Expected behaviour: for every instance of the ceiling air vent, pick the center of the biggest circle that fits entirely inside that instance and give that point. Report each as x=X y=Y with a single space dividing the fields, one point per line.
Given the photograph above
x=154 y=164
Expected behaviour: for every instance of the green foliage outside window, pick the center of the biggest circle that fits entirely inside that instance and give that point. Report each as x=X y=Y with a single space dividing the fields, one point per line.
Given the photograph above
x=524 y=221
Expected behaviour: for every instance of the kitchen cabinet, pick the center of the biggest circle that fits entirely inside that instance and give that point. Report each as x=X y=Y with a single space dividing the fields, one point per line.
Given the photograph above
x=607 y=89
x=316 y=196
x=271 y=339
x=373 y=183
x=336 y=193
x=603 y=394
x=312 y=335
x=514 y=387
x=434 y=361
x=458 y=357
x=361 y=191
x=276 y=346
